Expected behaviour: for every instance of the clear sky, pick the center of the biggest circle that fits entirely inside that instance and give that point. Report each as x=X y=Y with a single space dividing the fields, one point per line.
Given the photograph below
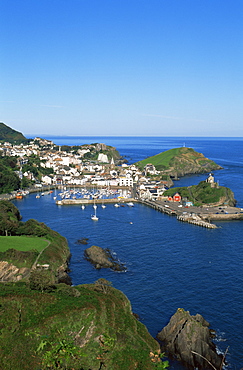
x=122 y=67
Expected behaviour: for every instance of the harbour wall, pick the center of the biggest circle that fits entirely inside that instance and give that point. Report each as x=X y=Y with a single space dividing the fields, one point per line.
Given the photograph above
x=92 y=201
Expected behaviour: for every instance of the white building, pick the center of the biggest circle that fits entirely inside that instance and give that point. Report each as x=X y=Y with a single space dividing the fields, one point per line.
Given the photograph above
x=126 y=180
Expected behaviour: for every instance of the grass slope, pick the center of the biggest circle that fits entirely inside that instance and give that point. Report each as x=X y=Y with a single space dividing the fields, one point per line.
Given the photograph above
x=162 y=160
x=181 y=161
x=71 y=328
x=22 y=243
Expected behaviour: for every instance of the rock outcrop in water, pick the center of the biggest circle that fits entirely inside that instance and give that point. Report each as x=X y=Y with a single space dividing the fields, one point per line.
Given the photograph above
x=102 y=258
x=189 y=339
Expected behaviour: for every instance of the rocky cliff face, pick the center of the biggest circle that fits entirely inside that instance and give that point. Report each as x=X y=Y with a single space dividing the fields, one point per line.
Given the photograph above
x=11 y=273
x=188 y=338
x=191 y=162
x=179 y=162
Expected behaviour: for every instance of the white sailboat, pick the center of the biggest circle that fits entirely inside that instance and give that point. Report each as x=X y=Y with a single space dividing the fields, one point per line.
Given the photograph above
x=103 y=205
x=94 y=217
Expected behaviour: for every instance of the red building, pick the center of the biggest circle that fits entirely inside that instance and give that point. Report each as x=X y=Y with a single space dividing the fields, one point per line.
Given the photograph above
x=176 y=198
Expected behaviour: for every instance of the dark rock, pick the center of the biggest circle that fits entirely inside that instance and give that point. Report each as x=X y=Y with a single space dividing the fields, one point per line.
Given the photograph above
x=188 y=338
x=82 y=241
x=62 y=276
x=102 y=258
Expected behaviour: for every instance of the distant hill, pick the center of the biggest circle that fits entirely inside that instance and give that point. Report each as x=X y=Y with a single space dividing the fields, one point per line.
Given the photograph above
x=179 y=162
x=11 y=135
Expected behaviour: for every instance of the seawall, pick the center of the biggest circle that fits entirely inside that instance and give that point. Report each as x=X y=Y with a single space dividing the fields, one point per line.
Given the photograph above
x=83 y=201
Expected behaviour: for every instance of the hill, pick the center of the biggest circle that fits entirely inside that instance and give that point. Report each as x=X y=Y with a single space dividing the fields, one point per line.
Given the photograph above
x=11 y=135
x=179 y=162
x=204 y=193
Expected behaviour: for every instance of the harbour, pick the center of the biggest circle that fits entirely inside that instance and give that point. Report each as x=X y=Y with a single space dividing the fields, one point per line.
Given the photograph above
x=170 y=263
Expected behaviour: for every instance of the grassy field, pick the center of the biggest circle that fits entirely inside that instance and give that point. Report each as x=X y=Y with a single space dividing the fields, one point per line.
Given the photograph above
x=162 y=160
x=22 y=243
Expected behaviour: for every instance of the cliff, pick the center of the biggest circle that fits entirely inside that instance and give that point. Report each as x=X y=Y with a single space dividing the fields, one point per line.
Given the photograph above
x=179 y=162
x=46 y=247
x=84 y=327
x=189 y=339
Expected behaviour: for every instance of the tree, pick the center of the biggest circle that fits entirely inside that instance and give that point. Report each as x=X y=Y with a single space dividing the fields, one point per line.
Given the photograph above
x=9 y=218
x=9 y=180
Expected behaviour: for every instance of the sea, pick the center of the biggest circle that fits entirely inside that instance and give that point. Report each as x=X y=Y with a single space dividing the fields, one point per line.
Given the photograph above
x=169 y=264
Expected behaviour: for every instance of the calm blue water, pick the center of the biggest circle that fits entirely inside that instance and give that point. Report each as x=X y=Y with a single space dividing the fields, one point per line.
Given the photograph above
x=170 y=264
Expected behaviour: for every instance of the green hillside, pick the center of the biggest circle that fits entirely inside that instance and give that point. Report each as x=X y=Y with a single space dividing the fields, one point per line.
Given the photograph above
x=180 y=162
x=11 y=135
x=86 y=327
x=203 y=193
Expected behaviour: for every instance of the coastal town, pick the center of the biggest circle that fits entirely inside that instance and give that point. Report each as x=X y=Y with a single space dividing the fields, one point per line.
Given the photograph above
x=102 y=169
x=74 y=169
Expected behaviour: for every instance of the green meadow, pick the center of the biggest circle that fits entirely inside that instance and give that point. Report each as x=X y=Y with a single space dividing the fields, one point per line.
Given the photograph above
x=22 y=243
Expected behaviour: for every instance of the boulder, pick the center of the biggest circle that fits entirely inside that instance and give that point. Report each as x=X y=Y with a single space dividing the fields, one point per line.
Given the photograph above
x=102 y=258
x=189 y=339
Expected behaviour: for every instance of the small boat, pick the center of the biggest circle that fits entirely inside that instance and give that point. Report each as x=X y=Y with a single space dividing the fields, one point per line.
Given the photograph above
x=116 y=205
x=83 y=206
x=130 y=204
x=103 y=206
x=94 y=217
x=37 y=196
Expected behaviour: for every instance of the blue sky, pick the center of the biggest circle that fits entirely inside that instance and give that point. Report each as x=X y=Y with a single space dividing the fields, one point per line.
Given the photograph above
x=122 y=67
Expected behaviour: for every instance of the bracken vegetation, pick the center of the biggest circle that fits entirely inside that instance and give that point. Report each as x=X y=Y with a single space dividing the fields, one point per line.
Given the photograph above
x=72 y=328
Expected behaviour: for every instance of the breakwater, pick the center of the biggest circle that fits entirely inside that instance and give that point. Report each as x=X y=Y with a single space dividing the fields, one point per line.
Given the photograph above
x=196 y=220
x=186 y=217
x=159 y=207
x=83 y=201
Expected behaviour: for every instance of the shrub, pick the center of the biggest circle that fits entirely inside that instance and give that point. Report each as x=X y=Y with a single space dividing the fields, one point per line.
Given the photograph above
x=42 y=280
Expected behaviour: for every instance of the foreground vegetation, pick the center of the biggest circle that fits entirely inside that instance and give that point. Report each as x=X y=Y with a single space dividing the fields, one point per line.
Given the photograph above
x=83 y=327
